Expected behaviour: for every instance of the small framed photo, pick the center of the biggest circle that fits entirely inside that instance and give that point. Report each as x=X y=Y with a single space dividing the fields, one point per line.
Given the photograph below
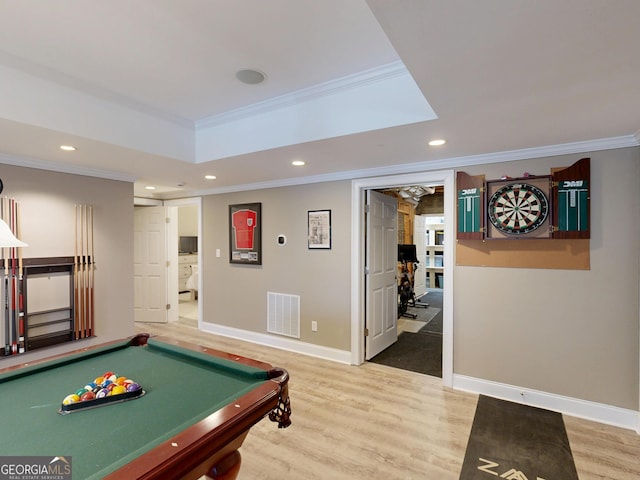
x=319 y=229
x=245 y=233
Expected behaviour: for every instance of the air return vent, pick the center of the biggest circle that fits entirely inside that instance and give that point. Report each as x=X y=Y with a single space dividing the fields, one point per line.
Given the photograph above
x=283 y=314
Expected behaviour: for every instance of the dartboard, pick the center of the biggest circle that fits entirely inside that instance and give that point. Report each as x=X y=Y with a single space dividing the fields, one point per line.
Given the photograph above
x=518 y=208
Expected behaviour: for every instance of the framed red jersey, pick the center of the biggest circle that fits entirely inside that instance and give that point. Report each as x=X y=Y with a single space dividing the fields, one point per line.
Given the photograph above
x=245 y=233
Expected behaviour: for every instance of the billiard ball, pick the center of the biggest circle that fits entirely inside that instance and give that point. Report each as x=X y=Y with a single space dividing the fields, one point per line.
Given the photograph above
x=73 y=398
x=118 y=389
x=102 y=393
x=89 y=395
x=132 y=387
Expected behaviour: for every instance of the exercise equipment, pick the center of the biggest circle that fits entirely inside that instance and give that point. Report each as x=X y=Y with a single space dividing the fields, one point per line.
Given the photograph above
x=406 y=294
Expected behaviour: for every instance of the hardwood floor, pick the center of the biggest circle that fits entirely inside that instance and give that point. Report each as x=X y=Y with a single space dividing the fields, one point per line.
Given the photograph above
x=372 y=422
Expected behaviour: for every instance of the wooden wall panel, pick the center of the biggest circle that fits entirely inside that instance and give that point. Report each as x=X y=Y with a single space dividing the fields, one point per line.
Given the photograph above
x=531 y=253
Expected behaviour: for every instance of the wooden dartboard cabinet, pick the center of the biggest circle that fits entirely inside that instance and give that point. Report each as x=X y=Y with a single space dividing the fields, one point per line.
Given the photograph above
x=551 y=212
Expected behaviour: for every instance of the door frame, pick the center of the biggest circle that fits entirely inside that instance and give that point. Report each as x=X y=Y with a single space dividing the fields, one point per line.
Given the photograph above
x=358 y=187
x=197 y=201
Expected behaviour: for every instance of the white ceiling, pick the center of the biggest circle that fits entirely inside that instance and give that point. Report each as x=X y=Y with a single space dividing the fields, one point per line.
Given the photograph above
x=146 y=89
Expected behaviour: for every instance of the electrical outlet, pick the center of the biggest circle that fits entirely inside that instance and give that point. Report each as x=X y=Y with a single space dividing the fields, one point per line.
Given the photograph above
x=314 y=326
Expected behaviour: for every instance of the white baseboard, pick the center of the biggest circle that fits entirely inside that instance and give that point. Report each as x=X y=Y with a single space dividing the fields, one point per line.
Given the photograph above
x=282 y=343
x=597 y=412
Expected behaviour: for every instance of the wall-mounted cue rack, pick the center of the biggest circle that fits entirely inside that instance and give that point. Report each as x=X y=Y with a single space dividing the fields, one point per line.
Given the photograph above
x=48 y=301
x=42 y=313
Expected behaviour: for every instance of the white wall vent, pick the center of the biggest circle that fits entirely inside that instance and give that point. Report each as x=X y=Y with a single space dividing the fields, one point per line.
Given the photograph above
x=283 y=315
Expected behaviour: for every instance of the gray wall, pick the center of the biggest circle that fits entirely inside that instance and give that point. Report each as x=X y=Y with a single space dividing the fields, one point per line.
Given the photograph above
x=47 y=202
x=572 y=333
x=236 y=295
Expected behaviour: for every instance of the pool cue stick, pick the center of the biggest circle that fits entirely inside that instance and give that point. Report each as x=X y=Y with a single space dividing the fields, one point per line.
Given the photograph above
x=92 y=264
x=80 y=303
x=19 y=293
x=75 y=272
x=5 y=326
x=86 y=274
x=7 y=279
x=5 y=262
x=84 y=271
x=83 y=263
x=14 y=287
x=79 y=246
x=80 y=283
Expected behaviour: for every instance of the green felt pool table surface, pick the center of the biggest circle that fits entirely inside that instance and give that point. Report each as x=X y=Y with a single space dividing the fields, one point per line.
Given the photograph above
x=182 y=387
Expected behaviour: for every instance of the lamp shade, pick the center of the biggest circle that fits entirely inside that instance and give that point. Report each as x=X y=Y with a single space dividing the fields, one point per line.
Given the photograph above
x=7 y=238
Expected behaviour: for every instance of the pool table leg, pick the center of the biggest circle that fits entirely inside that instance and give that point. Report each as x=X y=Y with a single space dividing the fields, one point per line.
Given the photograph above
x=227 y=468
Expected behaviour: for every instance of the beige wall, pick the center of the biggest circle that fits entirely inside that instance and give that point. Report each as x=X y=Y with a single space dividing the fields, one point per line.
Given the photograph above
x=188 y=220
x=572 y=333
x=236 y=295
x=47 y=202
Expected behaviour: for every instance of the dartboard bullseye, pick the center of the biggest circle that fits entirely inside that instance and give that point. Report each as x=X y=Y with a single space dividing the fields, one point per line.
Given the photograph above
x=518 y=208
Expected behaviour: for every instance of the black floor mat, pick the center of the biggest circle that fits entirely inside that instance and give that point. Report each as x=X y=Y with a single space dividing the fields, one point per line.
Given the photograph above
x=514 y=441
x=416 y=352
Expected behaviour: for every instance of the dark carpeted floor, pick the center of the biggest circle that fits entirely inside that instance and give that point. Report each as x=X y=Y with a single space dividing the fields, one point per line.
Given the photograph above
x=418 y=352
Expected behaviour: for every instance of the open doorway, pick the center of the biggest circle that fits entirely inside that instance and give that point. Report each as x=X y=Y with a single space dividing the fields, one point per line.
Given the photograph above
x=420 y=280
x=189 y=272
x=360 y=326
x=188 y=268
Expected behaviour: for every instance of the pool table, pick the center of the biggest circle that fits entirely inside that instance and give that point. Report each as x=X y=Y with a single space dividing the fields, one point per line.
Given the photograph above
x=197 y=408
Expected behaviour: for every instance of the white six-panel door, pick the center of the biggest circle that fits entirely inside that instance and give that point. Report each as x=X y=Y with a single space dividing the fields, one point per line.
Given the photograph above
x=150 y=264
x=381 y=316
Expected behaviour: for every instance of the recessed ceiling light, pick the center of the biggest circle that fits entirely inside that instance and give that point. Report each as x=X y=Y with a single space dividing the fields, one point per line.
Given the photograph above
x=437 y=142
x=297 y=163
x=210 y=177
x=250 y=77
x=150 y=187
x=67 y=148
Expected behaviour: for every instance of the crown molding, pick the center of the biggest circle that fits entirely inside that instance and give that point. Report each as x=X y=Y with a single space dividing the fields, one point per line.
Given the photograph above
x=442 y=164
x=54 y=76
x=348 y=82
x=27 y=162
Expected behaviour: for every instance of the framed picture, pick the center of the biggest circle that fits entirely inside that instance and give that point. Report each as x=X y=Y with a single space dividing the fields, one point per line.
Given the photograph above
x=245 y=233
x=319 y=229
